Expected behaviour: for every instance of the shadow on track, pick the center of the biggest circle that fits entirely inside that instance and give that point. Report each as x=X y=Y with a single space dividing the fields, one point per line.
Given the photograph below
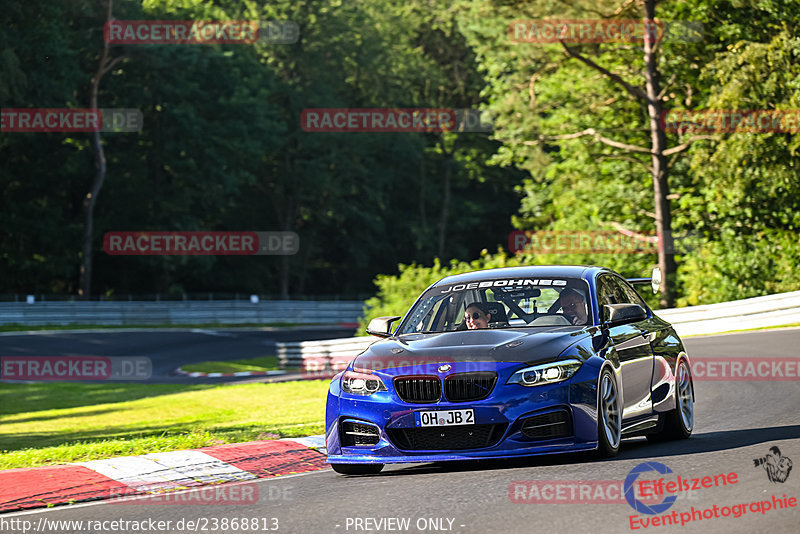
x=631 y=449
x=708 y=442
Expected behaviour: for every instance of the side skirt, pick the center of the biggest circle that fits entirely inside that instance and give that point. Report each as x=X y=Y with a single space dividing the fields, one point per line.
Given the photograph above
x=640 y=427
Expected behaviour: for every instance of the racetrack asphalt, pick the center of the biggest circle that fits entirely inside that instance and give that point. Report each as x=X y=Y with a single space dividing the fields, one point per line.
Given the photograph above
x=167 y=349
x=735 y=423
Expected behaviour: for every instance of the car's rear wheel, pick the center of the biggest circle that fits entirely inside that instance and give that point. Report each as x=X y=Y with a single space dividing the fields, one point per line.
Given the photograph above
x=678 y=423
x=357 y=469
x=609 y=416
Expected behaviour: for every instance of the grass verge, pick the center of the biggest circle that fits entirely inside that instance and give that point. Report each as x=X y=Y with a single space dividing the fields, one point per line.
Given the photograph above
x=265 y=363
x=49 y=423
x=217 y=326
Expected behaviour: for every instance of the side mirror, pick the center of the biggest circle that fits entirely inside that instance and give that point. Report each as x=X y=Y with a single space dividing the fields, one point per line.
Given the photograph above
x=619 y=314
x=382 y=326
x=655 y=281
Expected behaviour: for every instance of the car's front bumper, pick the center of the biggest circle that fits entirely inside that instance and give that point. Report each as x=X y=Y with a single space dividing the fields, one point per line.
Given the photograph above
x=509 y=405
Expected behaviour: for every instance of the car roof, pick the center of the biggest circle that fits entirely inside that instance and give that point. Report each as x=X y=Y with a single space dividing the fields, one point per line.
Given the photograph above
x=538 y=271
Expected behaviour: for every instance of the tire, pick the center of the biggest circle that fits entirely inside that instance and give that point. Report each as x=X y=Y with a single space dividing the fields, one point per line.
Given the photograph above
x=678 y=423
x=609 y=416
x=357 y=469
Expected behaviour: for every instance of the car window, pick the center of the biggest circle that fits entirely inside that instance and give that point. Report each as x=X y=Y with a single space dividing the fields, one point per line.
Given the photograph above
x=423 y=315
x=614 y=290
x=437 y=316
x=522 y=304
x=631 y=295
x=608 y=292
x=503 y=303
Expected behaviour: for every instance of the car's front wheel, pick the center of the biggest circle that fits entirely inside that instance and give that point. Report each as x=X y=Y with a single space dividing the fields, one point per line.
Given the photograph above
x=609 y=416
x=678 y=423
x=357 y=469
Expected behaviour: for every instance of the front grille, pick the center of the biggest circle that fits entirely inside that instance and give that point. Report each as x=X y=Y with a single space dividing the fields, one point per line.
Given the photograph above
x=547 y=426
x=463 y=387
x=446 y=438
x=418 y=388
x=354 y=434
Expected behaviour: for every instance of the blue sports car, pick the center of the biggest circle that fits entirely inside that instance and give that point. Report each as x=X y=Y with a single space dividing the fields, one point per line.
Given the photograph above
x=511 y=362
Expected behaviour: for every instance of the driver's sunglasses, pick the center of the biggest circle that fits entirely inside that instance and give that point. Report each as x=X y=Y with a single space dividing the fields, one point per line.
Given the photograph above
x=475 y=316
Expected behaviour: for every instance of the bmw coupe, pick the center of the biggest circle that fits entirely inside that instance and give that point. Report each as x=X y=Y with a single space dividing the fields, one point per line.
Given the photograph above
x=511 y=362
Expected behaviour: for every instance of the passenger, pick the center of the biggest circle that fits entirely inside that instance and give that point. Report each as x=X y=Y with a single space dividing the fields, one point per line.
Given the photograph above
x=477 y=316
x=574 y=306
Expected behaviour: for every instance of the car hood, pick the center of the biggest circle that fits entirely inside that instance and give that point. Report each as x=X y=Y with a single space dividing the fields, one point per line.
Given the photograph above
x=529 y=345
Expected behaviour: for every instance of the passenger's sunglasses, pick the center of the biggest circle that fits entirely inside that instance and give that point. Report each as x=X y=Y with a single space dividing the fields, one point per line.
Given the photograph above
x=475 y=316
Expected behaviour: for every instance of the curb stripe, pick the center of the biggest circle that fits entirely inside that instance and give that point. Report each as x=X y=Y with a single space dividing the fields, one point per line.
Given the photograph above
x=155 y=473
x=270 y=458
x=42 y=486
x=166 y=471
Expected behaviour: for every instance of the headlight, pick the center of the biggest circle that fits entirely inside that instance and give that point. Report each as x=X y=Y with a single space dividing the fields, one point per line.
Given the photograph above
x=361 y=383
x=547 y=373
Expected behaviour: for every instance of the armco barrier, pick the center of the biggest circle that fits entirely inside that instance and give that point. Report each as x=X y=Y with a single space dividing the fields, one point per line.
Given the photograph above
x=181 y=312
x=757 y=312
x=324 y=355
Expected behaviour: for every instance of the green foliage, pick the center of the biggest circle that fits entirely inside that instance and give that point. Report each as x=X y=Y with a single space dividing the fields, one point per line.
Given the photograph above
x=744 y=193
x=737 y=266
x=222 y=147
x=734 y=191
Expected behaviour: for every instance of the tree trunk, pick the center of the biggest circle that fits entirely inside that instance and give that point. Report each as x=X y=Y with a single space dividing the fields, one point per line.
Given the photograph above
x=660 y=170
x=285 y=260
x=285 y=208
x=447 y=178
x=88 y=205
x=422 y=235
x=90 y=201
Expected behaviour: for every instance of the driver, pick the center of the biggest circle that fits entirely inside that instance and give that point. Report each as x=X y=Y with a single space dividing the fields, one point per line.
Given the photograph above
x=477 y=316
x=574 y=306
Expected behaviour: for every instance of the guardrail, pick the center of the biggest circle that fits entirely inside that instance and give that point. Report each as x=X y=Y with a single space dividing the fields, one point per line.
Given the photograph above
x=756 y=312
x=180 y=312
x=333 y=355
x=323 y=355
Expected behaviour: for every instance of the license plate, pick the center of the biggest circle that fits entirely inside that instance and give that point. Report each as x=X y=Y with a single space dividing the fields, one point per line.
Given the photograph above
x=444 y=418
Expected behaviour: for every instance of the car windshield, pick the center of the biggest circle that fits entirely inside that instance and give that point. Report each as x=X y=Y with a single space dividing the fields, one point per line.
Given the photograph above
x=500 y=303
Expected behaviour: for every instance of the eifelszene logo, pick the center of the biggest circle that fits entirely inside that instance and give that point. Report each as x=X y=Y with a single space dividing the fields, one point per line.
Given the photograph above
x=669 y=489
x=636 y=504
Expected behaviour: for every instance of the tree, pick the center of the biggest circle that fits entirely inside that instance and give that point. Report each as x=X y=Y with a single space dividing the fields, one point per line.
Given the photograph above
x=104 y=65
x=619 y=67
